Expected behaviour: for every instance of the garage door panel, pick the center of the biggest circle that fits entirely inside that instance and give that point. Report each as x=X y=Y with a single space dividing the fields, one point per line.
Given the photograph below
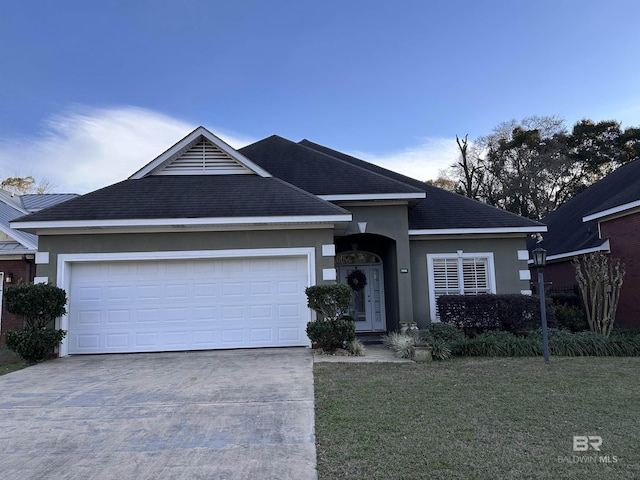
x=118 y=317
x=187 y=304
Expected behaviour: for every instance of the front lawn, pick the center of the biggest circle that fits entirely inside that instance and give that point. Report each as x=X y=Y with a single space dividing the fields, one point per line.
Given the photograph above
x=479 y=418
x=9 y=361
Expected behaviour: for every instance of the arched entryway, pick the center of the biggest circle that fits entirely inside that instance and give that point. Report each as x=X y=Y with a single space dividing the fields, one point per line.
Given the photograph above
x=363 y=272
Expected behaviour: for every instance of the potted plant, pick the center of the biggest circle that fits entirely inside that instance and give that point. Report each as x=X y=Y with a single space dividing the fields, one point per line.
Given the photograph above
x=422 y=351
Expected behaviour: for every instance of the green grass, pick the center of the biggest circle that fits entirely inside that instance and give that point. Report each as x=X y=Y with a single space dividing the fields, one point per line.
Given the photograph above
x=478 y=418
x=9 y=361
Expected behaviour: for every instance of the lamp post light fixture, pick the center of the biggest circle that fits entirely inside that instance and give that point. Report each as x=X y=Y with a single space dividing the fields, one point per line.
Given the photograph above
x=540 y=260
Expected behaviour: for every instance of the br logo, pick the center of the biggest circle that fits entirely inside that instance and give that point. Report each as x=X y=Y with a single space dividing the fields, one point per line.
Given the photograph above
x=582 y=443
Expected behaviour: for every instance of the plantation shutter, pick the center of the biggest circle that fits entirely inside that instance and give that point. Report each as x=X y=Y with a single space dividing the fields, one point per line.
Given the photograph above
x=445 y=276
x=459 y=275
x=475 y=276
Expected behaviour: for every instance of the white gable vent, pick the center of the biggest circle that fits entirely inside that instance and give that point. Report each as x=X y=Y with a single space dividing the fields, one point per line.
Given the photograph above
x=203 y=158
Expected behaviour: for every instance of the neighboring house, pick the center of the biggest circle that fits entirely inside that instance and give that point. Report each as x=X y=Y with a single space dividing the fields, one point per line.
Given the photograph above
x=207 y=247
x=18 y=249
x=605 y=217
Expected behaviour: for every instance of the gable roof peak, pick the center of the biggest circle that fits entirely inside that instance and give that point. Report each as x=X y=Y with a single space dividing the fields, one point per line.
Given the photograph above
x=200 y=153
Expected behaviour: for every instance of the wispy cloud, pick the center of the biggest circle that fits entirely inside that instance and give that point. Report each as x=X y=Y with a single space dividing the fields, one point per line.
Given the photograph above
x=83 y=149
x=422 y=162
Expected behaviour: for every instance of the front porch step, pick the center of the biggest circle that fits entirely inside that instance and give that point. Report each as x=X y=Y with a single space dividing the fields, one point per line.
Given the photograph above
x=374 y=338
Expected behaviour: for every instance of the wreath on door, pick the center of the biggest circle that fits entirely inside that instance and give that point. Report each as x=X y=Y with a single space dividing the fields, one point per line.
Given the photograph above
x=357 y=280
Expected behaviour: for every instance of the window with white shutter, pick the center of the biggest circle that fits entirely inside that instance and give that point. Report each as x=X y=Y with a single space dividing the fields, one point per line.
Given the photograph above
x=459 y=274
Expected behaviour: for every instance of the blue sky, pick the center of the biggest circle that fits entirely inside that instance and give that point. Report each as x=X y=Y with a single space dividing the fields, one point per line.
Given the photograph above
x=92 y=90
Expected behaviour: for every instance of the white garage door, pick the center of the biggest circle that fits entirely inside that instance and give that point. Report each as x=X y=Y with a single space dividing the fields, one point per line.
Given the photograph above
x=146 y=306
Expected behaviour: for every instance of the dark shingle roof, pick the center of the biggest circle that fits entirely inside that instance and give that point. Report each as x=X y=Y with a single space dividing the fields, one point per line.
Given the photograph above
x=318 y=173
x=190 y=196
x=568 y=233
x=441 y=209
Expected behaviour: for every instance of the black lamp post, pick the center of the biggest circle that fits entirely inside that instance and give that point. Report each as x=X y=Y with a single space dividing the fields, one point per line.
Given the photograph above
x=540 y=260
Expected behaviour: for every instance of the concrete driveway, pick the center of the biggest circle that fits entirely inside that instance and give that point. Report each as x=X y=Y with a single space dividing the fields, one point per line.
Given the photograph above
x=236 y=414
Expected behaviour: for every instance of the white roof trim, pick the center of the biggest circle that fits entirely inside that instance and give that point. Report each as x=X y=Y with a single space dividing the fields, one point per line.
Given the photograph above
x=604 y=247
x=473 y=231
x=18 y=251
x=18 y=238
x=374 y=196
x=611 y=211
x=167 y=156
x=181 y=222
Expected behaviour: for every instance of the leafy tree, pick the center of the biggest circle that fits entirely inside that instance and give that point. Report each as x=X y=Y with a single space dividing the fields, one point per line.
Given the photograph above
x=534 y=166
x=24 y=185
x=444 y=182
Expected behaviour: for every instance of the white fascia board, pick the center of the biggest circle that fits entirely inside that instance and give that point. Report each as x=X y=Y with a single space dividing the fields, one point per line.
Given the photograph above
x=374 y=196
x=17 y=251
x=605 y=247
x=19 y=238
x=611 y=211
x=169 y=222
x=473 y=231
x=192 y=137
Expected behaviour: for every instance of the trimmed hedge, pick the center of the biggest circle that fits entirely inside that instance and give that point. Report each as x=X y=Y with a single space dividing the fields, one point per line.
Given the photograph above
x=332 y=334
x=481 y=313
x=34 y=344
x=330 y=301
x=38 y=304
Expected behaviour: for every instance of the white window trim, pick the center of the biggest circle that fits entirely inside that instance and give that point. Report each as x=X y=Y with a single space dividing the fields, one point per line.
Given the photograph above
x=457 y=255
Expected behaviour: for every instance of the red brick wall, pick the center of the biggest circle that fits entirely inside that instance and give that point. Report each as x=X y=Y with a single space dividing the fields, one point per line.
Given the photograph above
x=624 y=237
x=561 y=275
x=19 y=270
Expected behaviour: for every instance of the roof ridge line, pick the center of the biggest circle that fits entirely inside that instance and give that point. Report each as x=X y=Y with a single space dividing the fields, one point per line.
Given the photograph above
x=357 y=166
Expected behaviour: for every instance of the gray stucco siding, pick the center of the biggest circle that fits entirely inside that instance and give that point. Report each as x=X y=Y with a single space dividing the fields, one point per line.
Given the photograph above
x=389 y=221
x=506 y=263
x=184 y=241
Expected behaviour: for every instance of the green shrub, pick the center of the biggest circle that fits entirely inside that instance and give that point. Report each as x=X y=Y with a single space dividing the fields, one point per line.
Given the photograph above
x=481 y=313
x=561 y=343
x=356 y=348
x=499 y=344
x=444 y=331
x=37 y=304
x=571 y=318
x=33 y=344
x=562 y=298
x=441 y=349
x=330 y=301
x=401 y=344
x=332 y=334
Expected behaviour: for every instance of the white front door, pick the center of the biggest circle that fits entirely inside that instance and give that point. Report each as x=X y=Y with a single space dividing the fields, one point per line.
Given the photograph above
x=367 y=302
